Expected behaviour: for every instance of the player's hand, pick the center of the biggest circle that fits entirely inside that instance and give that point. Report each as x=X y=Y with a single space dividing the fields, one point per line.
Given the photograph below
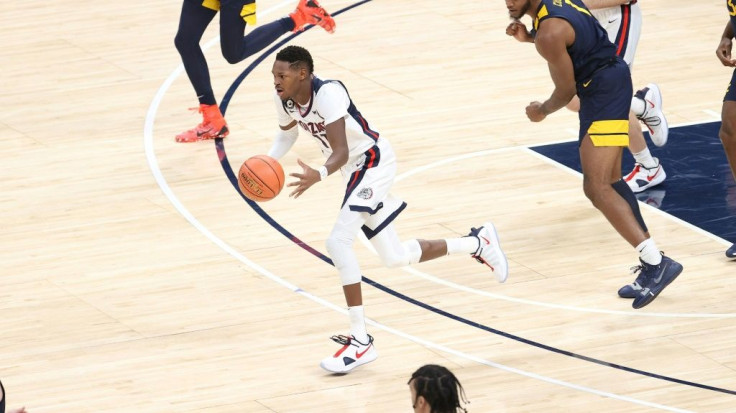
x=518 y=31
x=724 y=53
x=307 y=178
x=534 y=112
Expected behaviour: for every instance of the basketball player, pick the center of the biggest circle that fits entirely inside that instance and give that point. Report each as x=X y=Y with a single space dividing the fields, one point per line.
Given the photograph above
x=728 y=112
x=622 y=21
x=367 y=163
x=196 y=15
x=583 y=61
x=434 y=389
x=2 y=402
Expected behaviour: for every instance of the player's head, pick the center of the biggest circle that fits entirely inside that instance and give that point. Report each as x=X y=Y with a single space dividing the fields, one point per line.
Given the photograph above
x=292 y=72
x=434 y=389
x=518 y=8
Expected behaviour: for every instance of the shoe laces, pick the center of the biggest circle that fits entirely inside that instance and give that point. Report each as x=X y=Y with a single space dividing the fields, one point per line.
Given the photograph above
x=652 y=120
x=345 y=340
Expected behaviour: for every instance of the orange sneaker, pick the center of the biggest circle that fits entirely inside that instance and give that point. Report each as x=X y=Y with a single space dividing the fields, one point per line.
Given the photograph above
x=310 y=12
x=213 y=126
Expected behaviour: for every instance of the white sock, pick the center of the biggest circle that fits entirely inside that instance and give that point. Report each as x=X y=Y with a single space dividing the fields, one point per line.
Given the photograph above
x=649 y=253
x=357 y=323
x=638 y=106
x=645 y=158
x=464 y=245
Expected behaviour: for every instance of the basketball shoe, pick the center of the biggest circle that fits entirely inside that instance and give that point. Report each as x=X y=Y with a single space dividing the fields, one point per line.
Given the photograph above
x=653 y=117
x=656 y=278
x=489 y=251
x=213 y=126
x=632 y=290
x=310 y=12
x=352 y=354
x=642 y=178
x=731 y=252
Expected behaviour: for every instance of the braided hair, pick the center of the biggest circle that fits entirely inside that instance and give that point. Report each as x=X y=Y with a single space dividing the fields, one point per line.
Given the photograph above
x=440 y=388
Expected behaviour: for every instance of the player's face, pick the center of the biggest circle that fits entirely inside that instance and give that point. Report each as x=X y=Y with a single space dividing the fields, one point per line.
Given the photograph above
x=517 y=8
x=286 y=80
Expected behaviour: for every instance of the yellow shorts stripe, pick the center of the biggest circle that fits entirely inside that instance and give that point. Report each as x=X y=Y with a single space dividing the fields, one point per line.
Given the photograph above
x=249 y=13
x=609 y=133
x=211 y=4
x=610 y=140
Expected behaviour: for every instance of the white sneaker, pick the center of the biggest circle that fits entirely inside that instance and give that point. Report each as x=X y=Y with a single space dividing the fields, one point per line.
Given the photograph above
x=653 y=117
x=642 y=178
x=352 y=354
x=489 y=251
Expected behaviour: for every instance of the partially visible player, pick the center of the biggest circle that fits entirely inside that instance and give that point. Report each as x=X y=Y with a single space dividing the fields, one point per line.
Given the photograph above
x=727 y=132
x=434 y=389
x=196 y=15
x=367 y=162
x=2 y=402
x=582 y=61
x=622 y=21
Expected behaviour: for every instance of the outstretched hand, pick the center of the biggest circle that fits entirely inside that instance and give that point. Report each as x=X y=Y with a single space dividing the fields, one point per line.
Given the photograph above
x=307 y=178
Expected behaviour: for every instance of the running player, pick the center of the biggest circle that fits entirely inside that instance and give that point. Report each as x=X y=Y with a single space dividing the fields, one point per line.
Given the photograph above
x=583 y=61
x=325 y=111
x=196 y=15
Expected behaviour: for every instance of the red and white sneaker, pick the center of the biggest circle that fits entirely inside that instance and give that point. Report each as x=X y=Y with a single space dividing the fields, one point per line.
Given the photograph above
x=310 y=12
x=352 y=354
x=213 y=126
x=489 y=251
x=653 y=118
x=642 y=178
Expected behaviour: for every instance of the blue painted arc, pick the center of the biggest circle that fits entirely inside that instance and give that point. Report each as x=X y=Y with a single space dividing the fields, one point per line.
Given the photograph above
x=222 y=155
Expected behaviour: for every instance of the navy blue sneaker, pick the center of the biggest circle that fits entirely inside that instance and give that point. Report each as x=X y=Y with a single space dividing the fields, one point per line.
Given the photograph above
x=657 y=277
x=731 y=252
x=632 y=290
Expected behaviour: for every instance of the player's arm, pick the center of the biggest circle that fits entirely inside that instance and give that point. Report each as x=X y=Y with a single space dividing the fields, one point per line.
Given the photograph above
x=724 y=47
x=518 y=31
x=601 y=4
x=551 y=42
x=338 y=141
x=285 y=138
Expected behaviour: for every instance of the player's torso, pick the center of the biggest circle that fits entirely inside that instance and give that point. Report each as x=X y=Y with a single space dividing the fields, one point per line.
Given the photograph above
x=731 y=5
x=312 y=118
x=591 y=48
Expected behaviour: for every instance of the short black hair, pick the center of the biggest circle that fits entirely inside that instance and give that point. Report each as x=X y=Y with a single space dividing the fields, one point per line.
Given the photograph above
x=440 y=388
x=296 y=55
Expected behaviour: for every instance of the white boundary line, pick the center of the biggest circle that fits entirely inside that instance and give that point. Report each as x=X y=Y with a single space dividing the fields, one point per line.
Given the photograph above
x=166 y=189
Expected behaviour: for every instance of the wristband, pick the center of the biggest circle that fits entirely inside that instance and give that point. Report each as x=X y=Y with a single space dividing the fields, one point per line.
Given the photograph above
x=322 y=172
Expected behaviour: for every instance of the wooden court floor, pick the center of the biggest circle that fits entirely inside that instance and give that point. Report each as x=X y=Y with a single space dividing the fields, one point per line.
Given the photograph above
x=136 y=279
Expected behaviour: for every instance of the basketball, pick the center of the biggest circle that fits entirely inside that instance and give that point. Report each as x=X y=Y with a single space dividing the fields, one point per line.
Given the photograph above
x=261 y=178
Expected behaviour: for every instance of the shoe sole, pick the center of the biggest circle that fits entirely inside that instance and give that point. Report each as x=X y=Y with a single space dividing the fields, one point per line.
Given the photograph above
x=352 y=366
x=651 y=297
x=501 y=276
x=664 y=125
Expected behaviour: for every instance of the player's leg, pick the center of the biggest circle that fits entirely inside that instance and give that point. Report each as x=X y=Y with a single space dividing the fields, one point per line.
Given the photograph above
x=234 y=16
x=482 y=244
x=195 y=16
x=648 y=171
x=727 y=134
x=357 y=348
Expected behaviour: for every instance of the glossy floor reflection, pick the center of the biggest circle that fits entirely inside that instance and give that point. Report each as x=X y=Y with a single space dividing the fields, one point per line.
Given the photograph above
x=699 y=188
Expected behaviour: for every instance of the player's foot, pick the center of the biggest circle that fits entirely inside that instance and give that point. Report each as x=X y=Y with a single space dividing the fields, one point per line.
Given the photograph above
x=632 y=290
x=352 y=354
x=642 y=178
x=731 y=252
x=213 y=126
x=653 y=117
x=489 y=251
x=657 y=277
x=310 y=12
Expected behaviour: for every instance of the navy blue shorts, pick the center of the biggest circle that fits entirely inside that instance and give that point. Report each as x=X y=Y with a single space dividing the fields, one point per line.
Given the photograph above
x=731 y=90
x=605 y=102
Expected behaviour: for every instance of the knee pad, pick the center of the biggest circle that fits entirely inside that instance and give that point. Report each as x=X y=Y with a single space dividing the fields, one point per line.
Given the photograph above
x=622 y=188
x=340 y=247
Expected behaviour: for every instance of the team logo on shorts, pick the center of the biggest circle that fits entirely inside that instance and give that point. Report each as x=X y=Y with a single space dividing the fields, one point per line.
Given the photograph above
x=365 y=193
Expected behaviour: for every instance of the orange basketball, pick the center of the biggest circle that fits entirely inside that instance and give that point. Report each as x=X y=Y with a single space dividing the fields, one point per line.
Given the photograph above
x=261 y=178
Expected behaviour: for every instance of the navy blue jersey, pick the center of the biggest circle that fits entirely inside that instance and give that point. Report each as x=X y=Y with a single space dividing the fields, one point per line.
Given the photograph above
x=731 y=5
x=591 y=48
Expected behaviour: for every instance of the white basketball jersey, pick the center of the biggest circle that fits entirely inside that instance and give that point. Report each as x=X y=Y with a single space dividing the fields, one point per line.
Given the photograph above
x=329 y=102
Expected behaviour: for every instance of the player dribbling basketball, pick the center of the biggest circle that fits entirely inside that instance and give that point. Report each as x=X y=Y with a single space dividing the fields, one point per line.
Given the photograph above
x=324 y=109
